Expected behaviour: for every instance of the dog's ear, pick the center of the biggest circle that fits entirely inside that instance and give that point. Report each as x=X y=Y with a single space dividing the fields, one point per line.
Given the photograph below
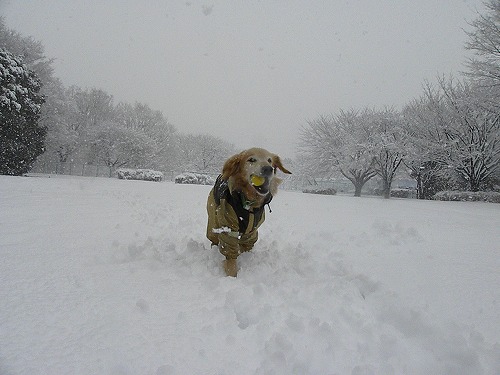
x=231 y=166
x=277 y=164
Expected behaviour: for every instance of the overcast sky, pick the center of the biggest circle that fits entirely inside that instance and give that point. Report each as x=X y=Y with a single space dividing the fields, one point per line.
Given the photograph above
x=251 y=72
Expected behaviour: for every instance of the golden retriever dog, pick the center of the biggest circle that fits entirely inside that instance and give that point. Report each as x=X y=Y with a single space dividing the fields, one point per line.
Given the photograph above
x=236 y=203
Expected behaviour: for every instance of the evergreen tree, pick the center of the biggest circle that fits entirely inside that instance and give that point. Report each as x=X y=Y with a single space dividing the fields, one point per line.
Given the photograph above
x=21 y=137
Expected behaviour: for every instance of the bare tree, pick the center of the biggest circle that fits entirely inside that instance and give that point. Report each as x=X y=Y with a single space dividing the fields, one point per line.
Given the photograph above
x=92 y=108
x=116 y=146
x=388 y=144
x=152 y=123
x=203 y=153
x=484 y=41
x=424 y=121
x=472 y=133
x=318 y=146
x=337 y=143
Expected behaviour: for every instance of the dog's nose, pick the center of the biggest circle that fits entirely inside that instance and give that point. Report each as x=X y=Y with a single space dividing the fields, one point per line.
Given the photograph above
x=267 y=170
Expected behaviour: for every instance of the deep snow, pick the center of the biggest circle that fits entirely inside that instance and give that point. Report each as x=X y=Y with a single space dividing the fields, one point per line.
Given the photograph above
x=104 y=276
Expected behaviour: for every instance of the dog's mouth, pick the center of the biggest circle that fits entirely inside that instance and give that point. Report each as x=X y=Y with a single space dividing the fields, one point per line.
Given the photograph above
x=260 y=183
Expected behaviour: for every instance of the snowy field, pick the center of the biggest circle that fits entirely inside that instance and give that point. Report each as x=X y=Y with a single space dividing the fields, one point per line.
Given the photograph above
x=105 y=276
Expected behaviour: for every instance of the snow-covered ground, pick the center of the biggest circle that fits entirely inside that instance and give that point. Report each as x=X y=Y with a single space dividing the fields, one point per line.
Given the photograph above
x=104 y=276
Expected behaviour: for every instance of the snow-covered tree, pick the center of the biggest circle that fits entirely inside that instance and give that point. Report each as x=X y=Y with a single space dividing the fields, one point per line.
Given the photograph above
x=358 y=162
x=93 y=107
x=62 y=141
x=472 y=134
x=21 y=137
x=337 y=143
x=484 y=41
x=318 y=147
x=29 y=50
x=388 y=144
x=137 y=116
x=203 y=153
x=116 y=146
x=152 y=123
x=52 y=113
x=455 y=137
x=425 y=121
x=358 y=144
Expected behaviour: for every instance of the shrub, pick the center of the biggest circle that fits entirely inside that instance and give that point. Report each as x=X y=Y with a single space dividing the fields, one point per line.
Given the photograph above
x=194 y=178
x=139 y=174
x=403 y=193
x=328 y=191
x=468 y=196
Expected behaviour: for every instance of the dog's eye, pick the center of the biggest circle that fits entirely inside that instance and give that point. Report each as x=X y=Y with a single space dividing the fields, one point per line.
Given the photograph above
x=252 y=160
x=270 y=161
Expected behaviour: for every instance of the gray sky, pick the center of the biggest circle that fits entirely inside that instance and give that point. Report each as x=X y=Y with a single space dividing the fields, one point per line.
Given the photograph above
x=251 y=72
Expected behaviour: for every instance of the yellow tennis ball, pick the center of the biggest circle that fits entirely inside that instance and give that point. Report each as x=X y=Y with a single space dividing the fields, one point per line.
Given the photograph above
x=257 y=180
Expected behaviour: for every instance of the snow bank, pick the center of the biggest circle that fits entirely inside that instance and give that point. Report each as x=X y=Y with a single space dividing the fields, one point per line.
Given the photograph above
x=99 y=276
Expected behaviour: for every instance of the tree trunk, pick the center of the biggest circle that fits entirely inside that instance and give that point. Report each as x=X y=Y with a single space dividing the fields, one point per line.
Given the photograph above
x=357 y=189
x=474 y=185
x=420 y=190
x=387 y=189
x=358 y=179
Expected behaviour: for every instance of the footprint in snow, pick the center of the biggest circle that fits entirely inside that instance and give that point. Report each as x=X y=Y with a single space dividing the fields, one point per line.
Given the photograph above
x=142 y=305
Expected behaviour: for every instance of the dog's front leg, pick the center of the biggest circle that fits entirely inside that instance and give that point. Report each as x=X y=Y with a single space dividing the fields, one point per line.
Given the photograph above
x=230 y=267
x=231 y=250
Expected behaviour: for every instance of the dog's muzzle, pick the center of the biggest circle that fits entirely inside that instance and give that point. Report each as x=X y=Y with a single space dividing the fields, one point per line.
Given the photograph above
x=261 y=181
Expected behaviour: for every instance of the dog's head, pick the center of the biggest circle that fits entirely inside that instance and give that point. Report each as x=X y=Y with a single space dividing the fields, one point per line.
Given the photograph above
x=253 y=172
